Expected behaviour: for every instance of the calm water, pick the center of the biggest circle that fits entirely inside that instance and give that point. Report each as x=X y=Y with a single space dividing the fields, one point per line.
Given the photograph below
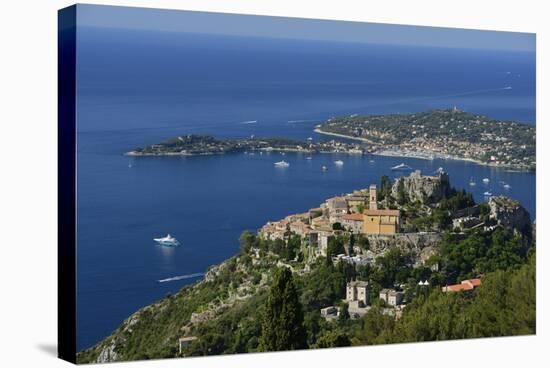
x=137 y=88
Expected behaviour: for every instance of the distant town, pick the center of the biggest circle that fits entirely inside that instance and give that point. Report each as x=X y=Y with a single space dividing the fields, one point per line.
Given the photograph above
x=450 y=133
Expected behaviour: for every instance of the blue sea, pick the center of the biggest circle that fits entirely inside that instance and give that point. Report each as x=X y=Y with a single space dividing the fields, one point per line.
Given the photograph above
x=140 y=87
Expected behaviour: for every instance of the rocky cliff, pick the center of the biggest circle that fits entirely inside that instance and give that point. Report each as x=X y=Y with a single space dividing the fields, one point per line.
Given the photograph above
x=509 y=213
x=418 y=246
x=426 y=189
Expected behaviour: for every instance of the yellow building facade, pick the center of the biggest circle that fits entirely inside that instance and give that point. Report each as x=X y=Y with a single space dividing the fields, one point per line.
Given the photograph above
x=380 y=222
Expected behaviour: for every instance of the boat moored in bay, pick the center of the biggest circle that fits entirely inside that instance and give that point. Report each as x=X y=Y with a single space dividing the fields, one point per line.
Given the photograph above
x=401 y=167
x=167 y=241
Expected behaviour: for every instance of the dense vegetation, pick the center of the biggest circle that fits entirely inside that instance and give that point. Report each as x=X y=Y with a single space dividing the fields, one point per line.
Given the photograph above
x=503 y=305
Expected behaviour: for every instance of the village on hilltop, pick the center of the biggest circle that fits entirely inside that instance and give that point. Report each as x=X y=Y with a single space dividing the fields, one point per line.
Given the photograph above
x=383 y=224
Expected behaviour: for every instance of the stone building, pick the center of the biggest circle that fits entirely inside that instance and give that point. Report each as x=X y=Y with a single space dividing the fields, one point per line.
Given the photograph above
x=337 y=207
x=392 y=297
x=330 y=313
x=357 y=297
x=184 y=342
x=358 y=291
x=353 y=222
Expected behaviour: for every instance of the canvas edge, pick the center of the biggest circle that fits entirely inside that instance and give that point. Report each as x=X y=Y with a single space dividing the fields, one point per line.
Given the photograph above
x=66 y=187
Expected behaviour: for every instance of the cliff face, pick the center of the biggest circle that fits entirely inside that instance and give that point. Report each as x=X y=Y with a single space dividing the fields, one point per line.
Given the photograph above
x=418 y=246
x=509 y=213
x=426 y=189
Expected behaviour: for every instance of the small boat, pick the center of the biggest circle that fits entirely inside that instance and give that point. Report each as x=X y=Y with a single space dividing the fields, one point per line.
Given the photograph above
x=371 y=161
x=308 y=158
x=401 y=167
x=282 y=153
x=472 y=182
x=130 y=165
x=167 y=241
x=324 y=168
x=282 y=164
x=487 y=194
x=485 y=180
x=339 y=163
x=506 y=186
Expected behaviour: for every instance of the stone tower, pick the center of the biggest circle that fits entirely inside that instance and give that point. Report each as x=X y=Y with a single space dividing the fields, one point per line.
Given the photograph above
x=373 y=205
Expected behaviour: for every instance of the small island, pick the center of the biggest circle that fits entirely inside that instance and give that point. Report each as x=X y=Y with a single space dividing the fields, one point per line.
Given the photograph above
x=195 y=145
x=448 y=134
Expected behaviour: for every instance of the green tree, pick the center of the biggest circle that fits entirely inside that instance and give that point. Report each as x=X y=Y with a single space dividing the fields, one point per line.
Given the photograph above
x=292 y=247
x=343 y=318
x=361 y=241
x=402 y=197
x=385 y=188
x=283 y=318
x=335 y=246
x=247 y=241
x=333 y=339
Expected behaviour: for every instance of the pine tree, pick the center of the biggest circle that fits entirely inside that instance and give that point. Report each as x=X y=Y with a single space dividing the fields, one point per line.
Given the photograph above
x=282 y=318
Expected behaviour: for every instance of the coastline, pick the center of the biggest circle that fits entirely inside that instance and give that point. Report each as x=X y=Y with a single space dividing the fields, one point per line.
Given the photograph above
x=424 y=155
x=319 y=131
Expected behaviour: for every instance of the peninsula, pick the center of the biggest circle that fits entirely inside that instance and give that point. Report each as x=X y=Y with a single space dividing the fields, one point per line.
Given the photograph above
x=448 y=134
x=194 y=145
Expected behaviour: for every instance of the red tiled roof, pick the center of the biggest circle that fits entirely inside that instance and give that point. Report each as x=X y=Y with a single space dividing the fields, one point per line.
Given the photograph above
x=465 y=285
x=474 y=282
x=458 y=287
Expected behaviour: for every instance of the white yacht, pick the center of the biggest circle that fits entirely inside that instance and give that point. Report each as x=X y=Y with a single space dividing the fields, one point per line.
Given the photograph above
x=472 y=182
x=324 y=168
x=487 y=194
x=282 y=164
x=401 y=167
x=168 y=241
x=339 y=163
x=485 y=180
